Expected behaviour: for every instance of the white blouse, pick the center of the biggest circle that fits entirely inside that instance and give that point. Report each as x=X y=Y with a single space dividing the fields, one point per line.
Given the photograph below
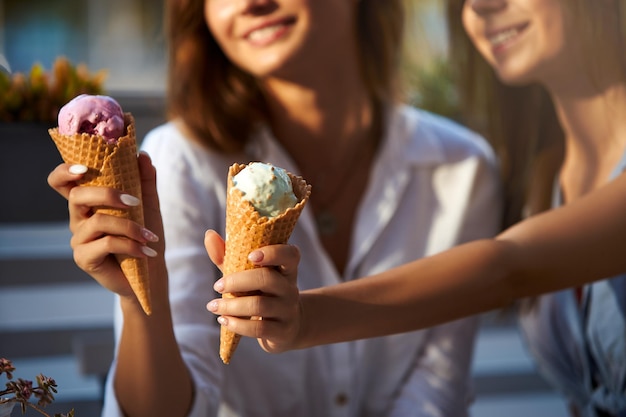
x=433 y=185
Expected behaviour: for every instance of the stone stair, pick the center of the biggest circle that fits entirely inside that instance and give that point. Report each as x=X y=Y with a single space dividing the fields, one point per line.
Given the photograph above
x=54 y=319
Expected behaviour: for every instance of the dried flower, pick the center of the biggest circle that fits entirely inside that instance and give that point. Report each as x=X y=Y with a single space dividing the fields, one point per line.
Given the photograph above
x=6 y=367
x=21 y=390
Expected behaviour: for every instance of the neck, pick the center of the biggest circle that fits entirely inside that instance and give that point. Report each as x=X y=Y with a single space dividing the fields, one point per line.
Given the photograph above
x=591 y=103
x=325 y=108
x=593 y=117
x=593 y=122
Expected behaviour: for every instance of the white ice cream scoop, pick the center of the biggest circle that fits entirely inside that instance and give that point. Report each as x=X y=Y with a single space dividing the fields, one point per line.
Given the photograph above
x=267 y=187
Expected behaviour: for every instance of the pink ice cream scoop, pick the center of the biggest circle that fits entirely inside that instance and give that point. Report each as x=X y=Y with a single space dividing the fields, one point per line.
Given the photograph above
x=94 y=115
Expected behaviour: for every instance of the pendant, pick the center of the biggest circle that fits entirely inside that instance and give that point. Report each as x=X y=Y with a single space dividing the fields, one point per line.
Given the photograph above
x=326 y=223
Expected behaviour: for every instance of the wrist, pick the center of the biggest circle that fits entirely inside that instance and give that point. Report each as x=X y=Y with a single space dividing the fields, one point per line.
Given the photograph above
x=304 y=334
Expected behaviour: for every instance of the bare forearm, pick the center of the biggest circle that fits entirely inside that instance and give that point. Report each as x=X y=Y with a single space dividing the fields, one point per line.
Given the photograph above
x=151 y=378
x=571 y=246
x=463 y=281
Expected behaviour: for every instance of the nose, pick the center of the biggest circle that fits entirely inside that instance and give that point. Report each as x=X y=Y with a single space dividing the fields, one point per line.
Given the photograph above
x=257 y=6
x=486 y=6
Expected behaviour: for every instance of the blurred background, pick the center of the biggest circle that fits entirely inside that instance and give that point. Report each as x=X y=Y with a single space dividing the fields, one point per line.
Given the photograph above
x=123 y=36
x=53 y=319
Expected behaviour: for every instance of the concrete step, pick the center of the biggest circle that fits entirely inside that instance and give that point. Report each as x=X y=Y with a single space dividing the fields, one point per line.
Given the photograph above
x=505 y=377
x=49 y=309
x=501 y=363
x=55 y=306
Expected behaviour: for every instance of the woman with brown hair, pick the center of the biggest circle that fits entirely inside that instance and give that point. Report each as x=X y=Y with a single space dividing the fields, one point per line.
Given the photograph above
x=576 y=50
x=310 y=86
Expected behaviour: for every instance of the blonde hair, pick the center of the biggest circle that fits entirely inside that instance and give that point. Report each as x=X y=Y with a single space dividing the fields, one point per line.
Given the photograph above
x=520 y=122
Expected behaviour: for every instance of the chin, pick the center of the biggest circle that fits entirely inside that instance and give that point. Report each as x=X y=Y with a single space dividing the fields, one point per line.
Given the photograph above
x=264 y=69
x=515 y=77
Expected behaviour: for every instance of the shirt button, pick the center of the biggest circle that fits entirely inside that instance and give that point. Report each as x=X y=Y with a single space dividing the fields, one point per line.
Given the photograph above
x=341 y=399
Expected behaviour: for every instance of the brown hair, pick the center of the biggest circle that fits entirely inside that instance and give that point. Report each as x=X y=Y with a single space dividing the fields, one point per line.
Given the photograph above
x=221 y=105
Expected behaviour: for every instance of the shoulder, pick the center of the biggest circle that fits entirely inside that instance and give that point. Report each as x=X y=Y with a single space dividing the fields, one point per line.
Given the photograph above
x=166 y=139
x=439 y=135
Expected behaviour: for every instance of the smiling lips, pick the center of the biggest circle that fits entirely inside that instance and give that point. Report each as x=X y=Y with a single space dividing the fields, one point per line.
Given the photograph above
x=265 y=34
x=268 y=33
x=502 y=38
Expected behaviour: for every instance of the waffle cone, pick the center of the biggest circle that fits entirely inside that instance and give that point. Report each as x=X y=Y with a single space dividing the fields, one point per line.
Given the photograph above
x=114 y=166
x=247 y=230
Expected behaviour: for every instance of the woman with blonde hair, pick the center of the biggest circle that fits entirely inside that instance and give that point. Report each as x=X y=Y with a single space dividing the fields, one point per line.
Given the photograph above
x=310 y=86
x=576 y=51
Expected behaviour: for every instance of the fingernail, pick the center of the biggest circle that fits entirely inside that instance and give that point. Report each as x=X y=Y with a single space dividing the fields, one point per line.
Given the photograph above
x=78 y=169
x=255 y=256
x=212 y=306
x=222 y=320
x=149 y=236
x=219 y=285
x=149 y=251
x=130 y=200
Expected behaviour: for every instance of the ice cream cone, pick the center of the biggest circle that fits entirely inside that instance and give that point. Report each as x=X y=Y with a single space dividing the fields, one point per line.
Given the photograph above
x=114 y=166
x=247 y=230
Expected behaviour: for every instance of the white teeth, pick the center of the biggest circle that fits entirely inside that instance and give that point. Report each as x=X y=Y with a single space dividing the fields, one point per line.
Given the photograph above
x=264 y=34
x=502 y=37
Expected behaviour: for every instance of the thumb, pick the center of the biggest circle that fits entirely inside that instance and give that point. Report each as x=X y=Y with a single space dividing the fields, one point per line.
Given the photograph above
x=215 y=247
x=150 y=197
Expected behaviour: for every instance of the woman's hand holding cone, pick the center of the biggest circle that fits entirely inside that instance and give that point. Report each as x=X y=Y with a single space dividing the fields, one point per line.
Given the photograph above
x=275 y=299
x=97 y=236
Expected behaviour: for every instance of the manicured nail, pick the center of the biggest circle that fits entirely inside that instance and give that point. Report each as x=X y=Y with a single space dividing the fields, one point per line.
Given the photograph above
x=130 y=200
x=149 y=251
x=222 y=320
x=149 y=236
x=219 y=285
x=78 y=169
x=212 y=306
x=255 y=256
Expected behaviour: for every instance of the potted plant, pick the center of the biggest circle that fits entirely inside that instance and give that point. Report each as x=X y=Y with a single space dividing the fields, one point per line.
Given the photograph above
x=29 y=105
x=38 y=95
x=20 y=391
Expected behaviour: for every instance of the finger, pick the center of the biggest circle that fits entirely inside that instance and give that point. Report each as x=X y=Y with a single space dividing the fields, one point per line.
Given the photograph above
x=96 y=258
x=265 y=280
x=285 y=257
x=151 y=207
x=258 y=305
x=63 y=178
x=215 y=247
x=84 y=200
x=100 y=225
x=273 y=336
x=116 y=245
x=102 y=197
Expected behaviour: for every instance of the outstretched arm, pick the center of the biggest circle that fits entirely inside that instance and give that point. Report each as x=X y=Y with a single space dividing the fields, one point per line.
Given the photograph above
x=566 y=247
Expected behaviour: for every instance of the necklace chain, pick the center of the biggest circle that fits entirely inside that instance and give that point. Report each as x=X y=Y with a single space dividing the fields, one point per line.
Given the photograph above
x=325 y=219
